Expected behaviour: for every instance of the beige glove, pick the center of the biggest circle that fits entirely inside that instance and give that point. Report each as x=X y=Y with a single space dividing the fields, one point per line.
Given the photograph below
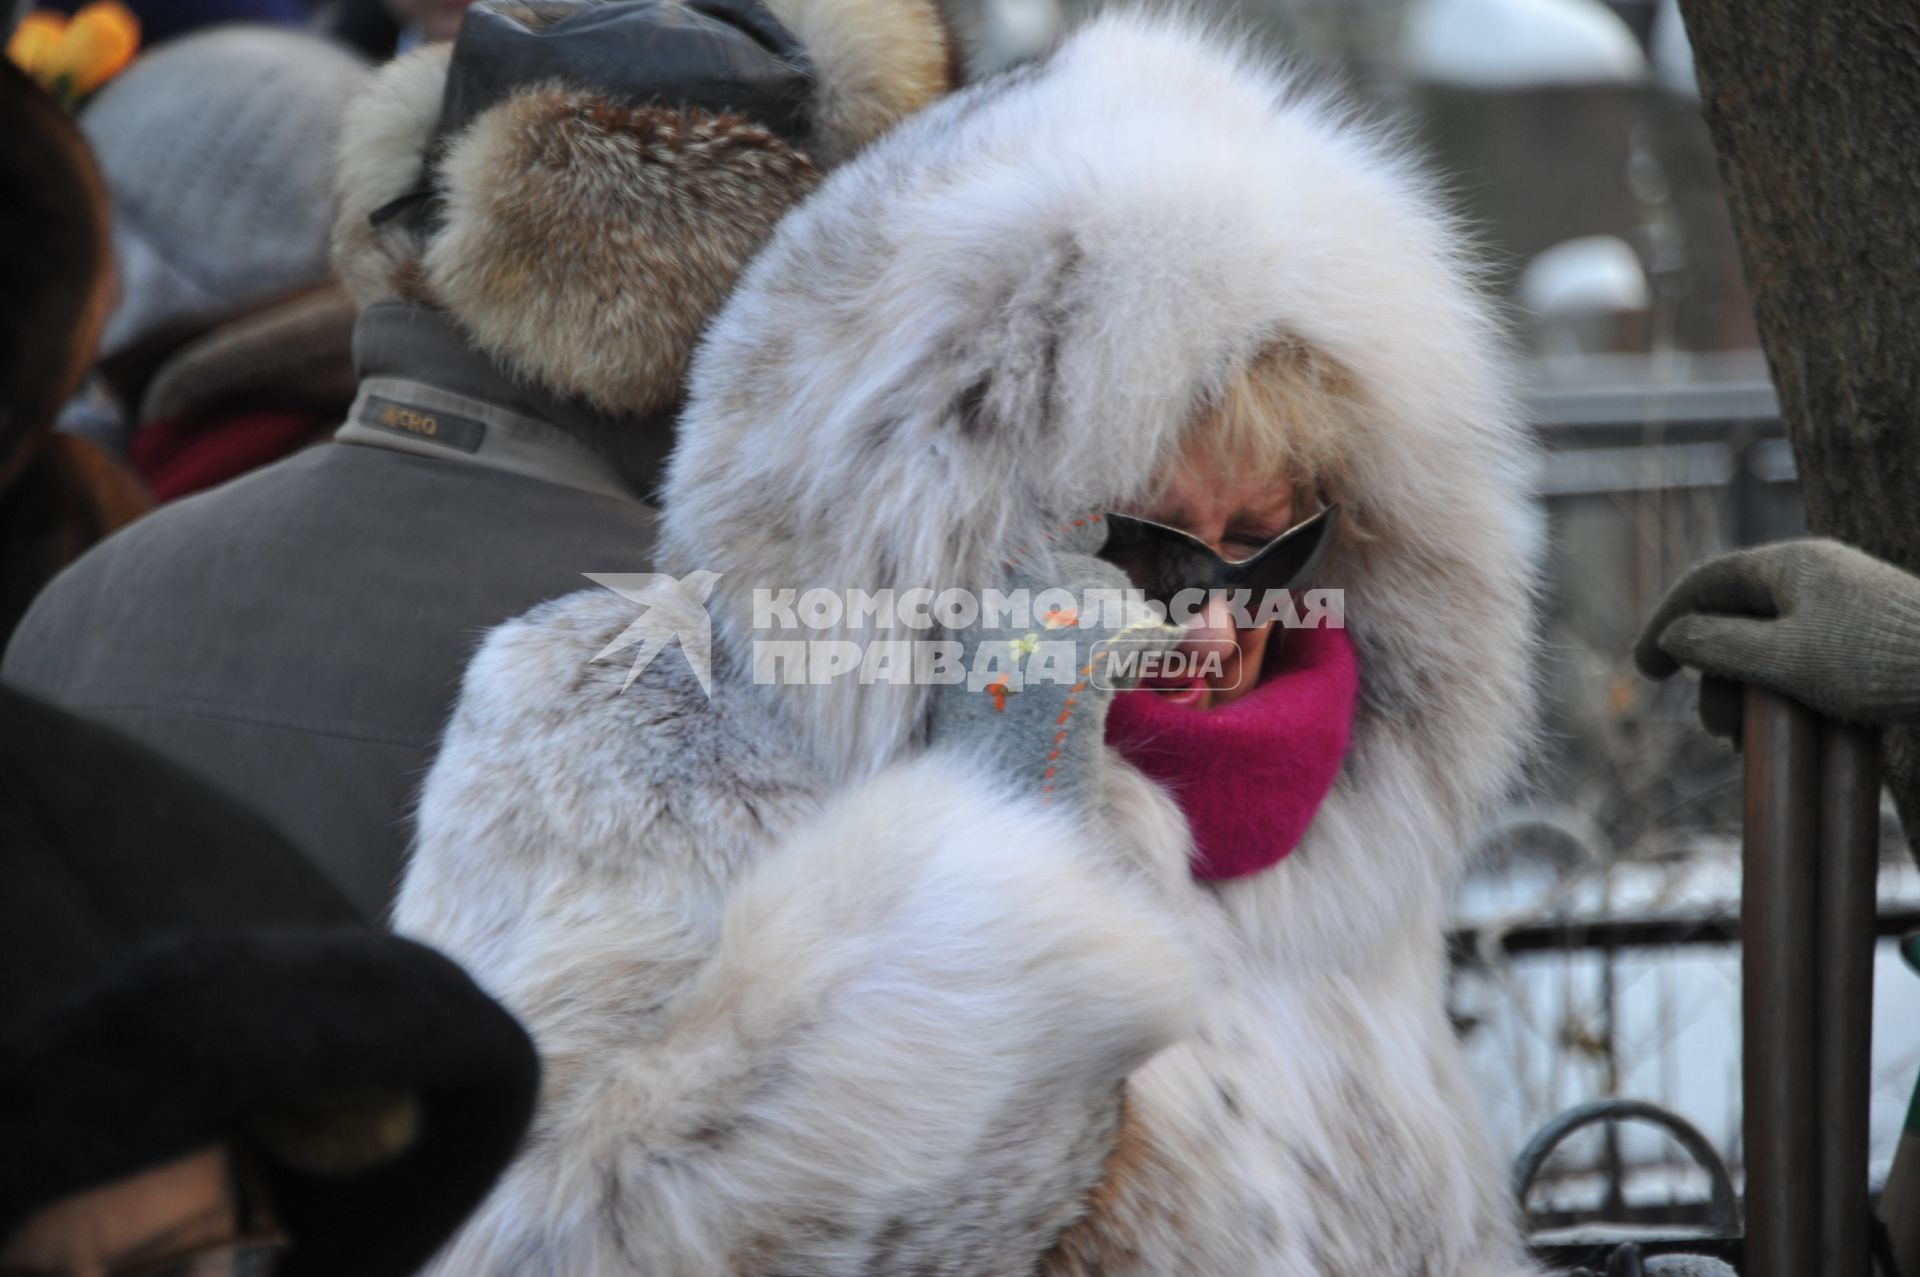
x=1821 y=622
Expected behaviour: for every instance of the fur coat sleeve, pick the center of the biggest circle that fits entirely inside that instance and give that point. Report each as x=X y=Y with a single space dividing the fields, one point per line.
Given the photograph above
x=875 y=1030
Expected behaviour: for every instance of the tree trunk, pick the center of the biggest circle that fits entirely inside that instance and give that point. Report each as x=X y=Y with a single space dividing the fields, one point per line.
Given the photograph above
x=1814 y=108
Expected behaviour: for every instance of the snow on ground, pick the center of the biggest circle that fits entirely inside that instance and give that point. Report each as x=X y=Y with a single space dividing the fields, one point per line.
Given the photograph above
x=1516 y=44
x=1537 y=1047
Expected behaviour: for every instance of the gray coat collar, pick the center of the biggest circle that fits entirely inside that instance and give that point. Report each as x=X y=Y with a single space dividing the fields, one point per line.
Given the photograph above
x=426 y=390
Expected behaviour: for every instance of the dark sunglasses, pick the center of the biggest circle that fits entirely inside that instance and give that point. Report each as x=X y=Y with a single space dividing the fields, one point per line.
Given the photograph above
x=1162 y=561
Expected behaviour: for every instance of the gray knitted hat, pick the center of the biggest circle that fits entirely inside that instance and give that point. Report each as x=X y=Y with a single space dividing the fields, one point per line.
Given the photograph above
x=218 y=154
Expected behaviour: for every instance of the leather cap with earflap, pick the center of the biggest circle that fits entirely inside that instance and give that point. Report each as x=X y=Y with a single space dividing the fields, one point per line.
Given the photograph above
x=723 y=56
x=720 y=56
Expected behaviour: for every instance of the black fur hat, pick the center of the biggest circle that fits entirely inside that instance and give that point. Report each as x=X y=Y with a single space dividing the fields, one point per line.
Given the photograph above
x=173 y=974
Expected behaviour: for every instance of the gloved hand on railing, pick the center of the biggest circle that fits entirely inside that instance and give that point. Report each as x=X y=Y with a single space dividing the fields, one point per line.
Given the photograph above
x=1815 y=620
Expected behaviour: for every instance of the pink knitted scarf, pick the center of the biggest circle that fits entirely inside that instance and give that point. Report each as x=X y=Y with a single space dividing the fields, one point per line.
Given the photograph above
x=1251 y=774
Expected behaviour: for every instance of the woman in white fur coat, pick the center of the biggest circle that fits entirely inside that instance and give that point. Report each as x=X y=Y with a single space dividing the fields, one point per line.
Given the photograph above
x=821 y=985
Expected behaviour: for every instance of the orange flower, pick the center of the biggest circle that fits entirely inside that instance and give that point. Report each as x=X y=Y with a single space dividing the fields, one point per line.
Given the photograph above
x=98 y=44
x=71 y=59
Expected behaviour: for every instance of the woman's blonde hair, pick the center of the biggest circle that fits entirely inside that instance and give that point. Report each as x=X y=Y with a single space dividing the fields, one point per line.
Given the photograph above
x=1291 y=412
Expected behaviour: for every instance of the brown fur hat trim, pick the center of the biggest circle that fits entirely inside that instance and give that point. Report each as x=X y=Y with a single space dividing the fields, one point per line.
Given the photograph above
x=586 y=245
x=383 y=149
x=877 y=61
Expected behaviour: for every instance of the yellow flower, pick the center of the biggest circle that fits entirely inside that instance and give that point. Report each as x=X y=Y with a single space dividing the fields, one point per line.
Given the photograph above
x=73 y=58
x=35 y=39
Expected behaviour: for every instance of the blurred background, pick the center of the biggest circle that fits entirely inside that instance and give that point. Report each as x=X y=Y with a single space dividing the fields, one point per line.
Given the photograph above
x=1594 y=952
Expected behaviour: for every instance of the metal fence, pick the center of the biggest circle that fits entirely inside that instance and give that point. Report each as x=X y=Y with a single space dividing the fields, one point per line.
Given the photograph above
x=1597 y=949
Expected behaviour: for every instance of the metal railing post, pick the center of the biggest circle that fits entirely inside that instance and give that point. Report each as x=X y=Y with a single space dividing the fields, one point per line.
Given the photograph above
x=1779 y=840
x=1811 y=853
x=1844 y=943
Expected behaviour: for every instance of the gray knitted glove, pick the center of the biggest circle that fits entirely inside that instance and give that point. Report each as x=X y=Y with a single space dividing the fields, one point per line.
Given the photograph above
x=1037 y=697
x=1835 y=629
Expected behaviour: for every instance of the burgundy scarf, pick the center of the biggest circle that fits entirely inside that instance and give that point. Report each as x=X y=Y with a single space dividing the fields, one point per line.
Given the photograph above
x=1251 y=774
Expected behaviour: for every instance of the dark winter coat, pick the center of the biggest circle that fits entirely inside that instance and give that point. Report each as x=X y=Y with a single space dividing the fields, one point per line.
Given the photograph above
x=297 y=636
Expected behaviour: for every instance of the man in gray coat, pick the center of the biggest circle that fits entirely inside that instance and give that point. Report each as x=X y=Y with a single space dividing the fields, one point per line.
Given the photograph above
x=536 y=234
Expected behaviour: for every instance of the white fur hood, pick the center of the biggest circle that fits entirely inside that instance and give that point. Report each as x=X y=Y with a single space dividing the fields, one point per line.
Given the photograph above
x=1009 y=307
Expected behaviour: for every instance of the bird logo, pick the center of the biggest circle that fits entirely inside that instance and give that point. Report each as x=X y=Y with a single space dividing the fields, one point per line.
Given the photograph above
x=670 y=608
